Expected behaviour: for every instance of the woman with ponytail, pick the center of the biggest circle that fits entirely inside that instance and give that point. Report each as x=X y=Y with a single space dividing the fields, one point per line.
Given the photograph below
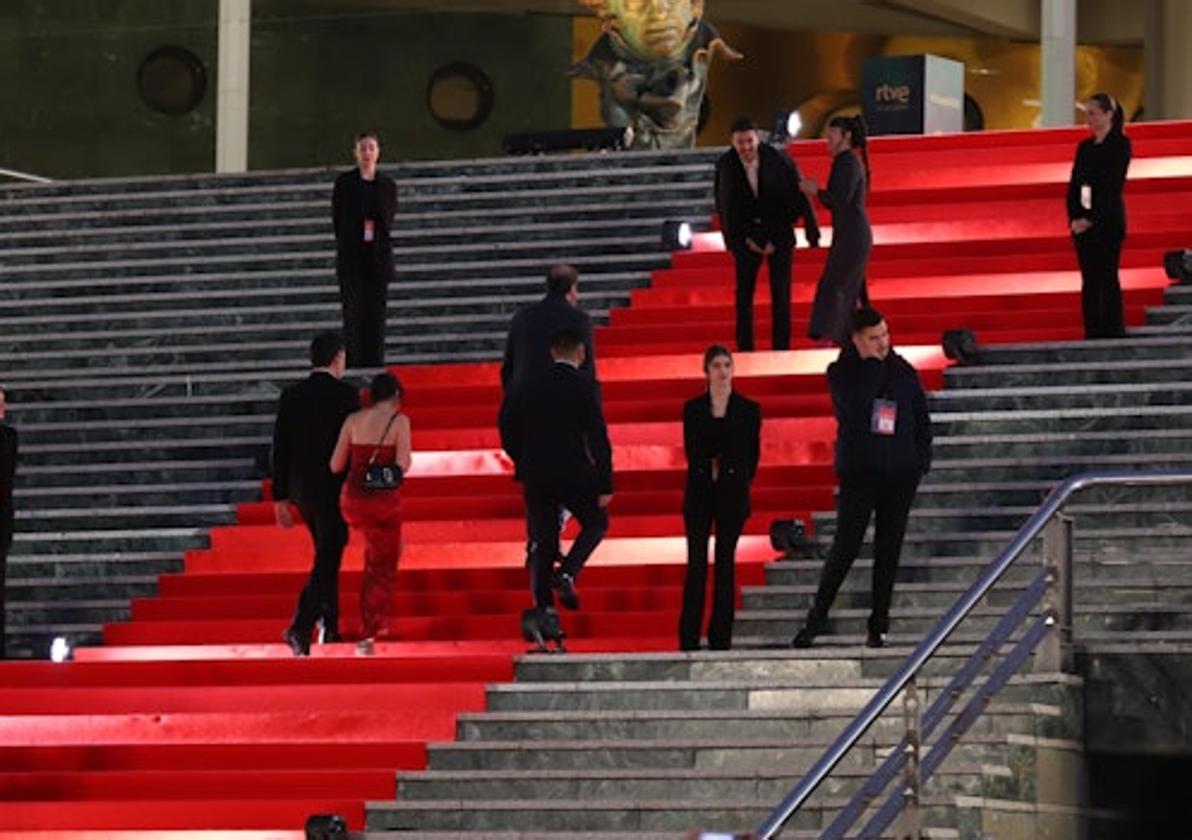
x=1097 y=215
x=842 y=286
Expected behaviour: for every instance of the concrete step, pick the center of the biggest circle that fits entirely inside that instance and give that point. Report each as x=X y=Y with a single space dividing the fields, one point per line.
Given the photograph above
x=313 y=216
x=1035 y=421
x=952 y=444
x=574 y=818
x=424 y=267
x=748 y=725
x=1066 y=375
x=1058 y=397
x=314 y=246
x=1138 y=349
x=1160 y=514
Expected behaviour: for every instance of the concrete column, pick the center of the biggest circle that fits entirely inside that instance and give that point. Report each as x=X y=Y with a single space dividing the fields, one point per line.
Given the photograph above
x=1059 y=61
x=1176 y=90
x=1152 y=59
x=231 y=108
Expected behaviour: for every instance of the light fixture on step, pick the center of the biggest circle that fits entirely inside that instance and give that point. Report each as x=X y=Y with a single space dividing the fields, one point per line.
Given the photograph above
x=676 y=235
x=789 y=537
x=60 y=649
x=1179 y=265
x=959 y=345
x=326 y=827
x=563 y=140
x=787 y=125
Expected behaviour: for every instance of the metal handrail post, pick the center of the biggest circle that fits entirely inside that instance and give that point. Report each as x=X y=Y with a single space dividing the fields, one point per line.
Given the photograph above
x=1055 y=653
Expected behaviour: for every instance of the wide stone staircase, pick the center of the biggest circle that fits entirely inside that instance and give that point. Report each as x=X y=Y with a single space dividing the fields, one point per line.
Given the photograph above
x=148 y=325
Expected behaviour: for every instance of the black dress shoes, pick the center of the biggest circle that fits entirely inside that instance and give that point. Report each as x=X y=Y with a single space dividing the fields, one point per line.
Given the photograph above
x=803 y=639
x=299 y=643
x=875 y=640
x=568 y=597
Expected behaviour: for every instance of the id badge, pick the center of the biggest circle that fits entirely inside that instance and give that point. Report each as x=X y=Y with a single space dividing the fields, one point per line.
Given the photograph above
x=369 y=230
x=1086 y=196
x=885 y=416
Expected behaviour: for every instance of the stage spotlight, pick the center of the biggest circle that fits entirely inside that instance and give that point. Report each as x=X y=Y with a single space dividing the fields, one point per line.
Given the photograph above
x=60 y=649
x=789 y=537
x=326 y=827
x=959 y=345
x=787 y=125
x=676 y=235
x=1179 y=265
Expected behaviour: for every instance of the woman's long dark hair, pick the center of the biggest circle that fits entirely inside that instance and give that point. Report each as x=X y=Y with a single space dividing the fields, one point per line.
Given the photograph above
x=1107 y=103
x=858 y=138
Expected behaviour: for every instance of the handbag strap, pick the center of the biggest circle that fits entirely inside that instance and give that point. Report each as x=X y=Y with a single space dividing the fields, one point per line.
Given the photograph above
x=377 y=451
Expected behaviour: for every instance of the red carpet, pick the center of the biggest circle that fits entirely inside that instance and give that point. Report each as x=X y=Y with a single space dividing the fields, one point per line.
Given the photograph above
x=194 y=716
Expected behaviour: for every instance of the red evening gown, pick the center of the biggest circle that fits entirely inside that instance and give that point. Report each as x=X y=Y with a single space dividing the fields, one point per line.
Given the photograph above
x=377 y=515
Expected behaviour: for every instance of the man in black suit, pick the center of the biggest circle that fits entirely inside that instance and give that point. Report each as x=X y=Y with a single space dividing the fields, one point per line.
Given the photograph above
x=8 y=471
x=527 y=347
x=309 y=418
x=555 y=432
x=883 y=449
x=362 y=207
x=758 y=202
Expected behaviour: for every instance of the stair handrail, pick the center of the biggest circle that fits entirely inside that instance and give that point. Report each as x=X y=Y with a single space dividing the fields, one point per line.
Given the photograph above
x=931 y=642
x=24 y=176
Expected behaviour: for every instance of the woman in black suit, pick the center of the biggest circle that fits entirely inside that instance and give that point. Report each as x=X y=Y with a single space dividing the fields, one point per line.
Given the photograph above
x=1097 y=215
x=722 y=440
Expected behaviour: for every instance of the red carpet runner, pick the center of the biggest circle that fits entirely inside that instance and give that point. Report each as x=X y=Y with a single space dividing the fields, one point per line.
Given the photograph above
x=193 y=716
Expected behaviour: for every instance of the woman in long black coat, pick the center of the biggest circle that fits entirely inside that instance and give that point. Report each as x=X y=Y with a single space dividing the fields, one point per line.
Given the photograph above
x=722 y=440
x=1097 y=215
x=842 y=285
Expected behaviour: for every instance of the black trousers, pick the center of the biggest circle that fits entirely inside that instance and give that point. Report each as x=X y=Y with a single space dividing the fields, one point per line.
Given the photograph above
x=4 y=542
x=1100 y=287
x=543 y=500
x=748 y=263
x=887 y=497
x=365 y=298
x=319 y=599
x=698 y=524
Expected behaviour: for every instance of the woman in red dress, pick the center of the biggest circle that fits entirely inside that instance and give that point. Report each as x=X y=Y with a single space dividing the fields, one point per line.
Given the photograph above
x=379 y=434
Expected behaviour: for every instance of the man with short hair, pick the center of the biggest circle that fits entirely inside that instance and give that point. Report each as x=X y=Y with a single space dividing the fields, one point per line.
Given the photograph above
x=555 y=432
x=528 y=354
x=309 y=418
x=527 y=347
x=758 y=202
x=8 y=471
x=883 y=449
x=362 y=207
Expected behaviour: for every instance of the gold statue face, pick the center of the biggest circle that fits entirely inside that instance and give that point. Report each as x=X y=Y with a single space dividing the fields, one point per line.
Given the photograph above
x=655 y=28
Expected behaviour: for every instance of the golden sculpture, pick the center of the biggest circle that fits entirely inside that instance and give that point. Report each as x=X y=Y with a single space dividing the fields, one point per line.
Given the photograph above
x=652 y=67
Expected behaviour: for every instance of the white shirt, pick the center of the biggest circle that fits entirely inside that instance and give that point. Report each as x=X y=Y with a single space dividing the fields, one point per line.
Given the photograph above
x=751 y=173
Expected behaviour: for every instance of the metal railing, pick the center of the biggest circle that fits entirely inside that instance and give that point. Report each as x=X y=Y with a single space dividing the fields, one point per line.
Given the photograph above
x=23 y=176
x=1051 y=632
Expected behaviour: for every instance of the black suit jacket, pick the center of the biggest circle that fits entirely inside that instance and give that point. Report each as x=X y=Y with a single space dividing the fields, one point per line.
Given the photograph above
x=8 y=471
x=554 y=431
x=527 y=347
x=737 y=461
x=768 y=216
x=353 y=201
x=309 y=418
x=855 y=383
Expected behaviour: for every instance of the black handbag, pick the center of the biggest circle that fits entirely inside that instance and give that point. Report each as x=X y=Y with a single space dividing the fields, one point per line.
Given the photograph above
x=381 y=476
